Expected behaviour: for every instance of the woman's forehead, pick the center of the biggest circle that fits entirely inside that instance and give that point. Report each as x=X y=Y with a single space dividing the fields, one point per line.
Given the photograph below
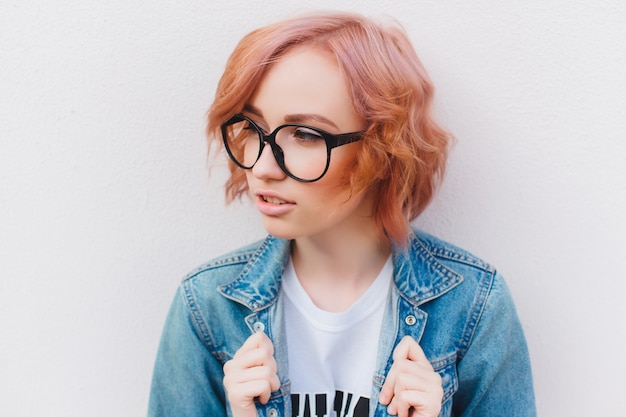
x=305 y=81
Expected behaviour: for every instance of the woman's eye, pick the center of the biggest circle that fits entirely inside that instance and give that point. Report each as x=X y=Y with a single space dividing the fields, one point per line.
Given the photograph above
x=304 y=134
x=248 y=130
x=252 y=129
x=253 y=125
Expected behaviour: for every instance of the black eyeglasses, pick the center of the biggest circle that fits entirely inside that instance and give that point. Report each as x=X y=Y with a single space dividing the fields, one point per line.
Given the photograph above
x=302 y=152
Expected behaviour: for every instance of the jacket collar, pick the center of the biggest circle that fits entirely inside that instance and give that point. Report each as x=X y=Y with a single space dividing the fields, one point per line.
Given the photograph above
x=258 y=284
x=418 y=275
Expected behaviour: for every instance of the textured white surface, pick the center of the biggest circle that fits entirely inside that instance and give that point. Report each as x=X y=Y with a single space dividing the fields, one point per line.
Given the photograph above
x=105 y=202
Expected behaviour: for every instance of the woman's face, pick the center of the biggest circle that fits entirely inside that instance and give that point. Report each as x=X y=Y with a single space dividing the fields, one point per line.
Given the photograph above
x=305 y=86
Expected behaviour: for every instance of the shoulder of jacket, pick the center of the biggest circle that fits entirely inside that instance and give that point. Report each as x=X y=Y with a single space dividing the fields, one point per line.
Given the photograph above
x=449 y=254
x=225 y=265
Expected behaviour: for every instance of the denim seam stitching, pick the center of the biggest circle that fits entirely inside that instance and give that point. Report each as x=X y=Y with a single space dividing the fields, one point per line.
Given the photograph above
x=478 y=307
x=453 y=278
x=456 y=257
x=198 y=321
x=218 y=263
x=253 y=259
x=440 y=365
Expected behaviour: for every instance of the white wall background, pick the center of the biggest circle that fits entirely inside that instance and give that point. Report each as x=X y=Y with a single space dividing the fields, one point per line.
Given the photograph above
x=105 y=202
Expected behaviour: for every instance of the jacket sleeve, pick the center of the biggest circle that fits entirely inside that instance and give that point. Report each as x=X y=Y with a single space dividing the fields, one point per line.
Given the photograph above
x=494 y=373
x=187 y=378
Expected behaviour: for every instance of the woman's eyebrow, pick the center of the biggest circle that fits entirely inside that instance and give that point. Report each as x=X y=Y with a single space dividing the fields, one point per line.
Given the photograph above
x=301 y=118
x=294 y=118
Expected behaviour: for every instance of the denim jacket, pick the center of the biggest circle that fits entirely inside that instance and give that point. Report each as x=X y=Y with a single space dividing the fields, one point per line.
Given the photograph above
x=455 y=305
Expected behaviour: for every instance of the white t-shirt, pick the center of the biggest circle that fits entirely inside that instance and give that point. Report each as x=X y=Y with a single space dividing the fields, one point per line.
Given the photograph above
x=332 y=356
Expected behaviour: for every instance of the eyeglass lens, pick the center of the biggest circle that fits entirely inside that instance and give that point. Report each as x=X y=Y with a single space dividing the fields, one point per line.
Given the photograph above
x=304 y=150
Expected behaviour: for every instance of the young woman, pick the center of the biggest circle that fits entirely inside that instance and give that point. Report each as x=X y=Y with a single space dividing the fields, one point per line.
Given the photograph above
x=344 y=309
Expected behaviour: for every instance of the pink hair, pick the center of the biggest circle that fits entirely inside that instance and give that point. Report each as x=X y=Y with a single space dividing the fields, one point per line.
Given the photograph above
x=403 y=155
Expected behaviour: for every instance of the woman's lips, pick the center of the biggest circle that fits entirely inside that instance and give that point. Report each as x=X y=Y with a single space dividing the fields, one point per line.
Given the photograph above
x=271 y=204
x=273 y=200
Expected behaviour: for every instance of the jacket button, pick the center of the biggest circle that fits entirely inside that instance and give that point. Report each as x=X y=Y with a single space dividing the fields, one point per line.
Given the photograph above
x=272 y=412
x=258 y=326
x=410 y=320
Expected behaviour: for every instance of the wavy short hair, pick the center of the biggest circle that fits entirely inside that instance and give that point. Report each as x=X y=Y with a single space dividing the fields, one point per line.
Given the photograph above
x=403 y=155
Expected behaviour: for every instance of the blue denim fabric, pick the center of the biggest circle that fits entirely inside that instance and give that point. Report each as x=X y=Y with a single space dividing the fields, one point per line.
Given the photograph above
x=456 y=306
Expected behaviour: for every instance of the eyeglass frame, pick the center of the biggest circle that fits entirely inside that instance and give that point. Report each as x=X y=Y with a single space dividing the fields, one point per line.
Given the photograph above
x=332 y=141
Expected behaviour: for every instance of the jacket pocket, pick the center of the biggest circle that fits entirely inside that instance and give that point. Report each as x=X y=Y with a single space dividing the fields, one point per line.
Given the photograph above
x=446 y=368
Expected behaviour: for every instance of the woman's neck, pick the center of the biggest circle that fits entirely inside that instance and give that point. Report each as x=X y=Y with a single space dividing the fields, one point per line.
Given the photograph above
x=335 y=272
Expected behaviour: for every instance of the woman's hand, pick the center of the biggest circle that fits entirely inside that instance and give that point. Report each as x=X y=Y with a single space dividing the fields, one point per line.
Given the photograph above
x=412 y=388
x=251 y=374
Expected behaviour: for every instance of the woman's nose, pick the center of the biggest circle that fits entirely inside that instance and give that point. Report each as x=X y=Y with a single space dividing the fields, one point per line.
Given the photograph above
x=266 y=166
